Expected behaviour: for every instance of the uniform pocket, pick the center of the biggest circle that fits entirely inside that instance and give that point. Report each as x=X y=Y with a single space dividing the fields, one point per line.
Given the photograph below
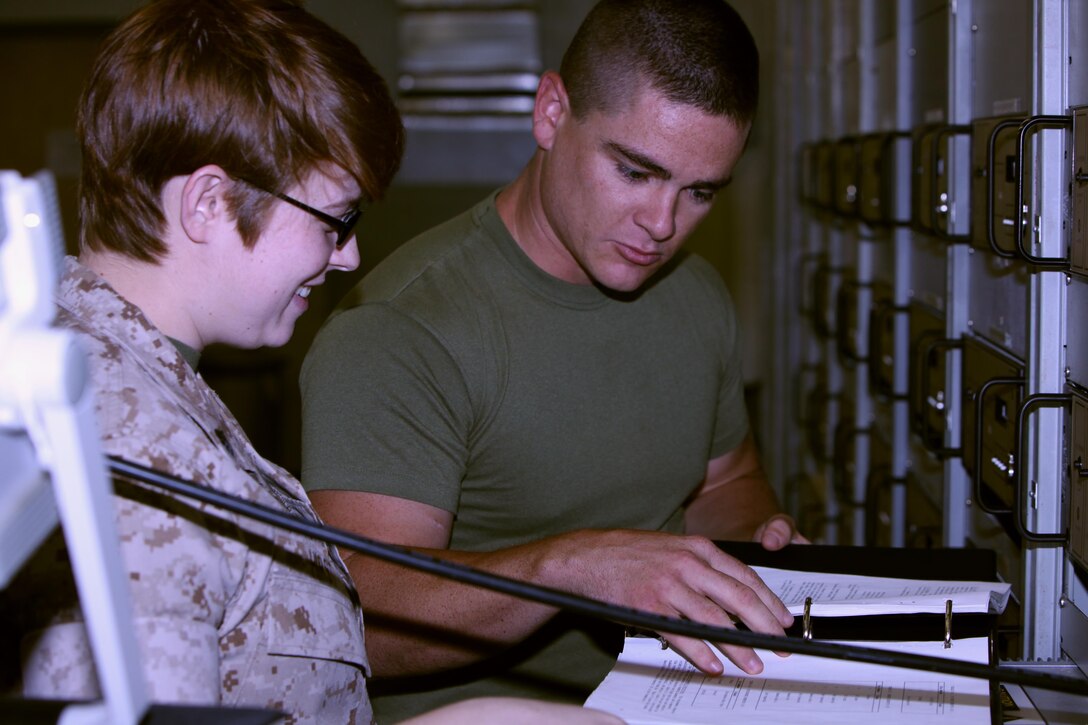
x=307 y=618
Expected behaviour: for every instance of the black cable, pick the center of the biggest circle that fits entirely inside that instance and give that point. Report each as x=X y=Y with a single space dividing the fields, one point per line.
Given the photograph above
x=582 y=605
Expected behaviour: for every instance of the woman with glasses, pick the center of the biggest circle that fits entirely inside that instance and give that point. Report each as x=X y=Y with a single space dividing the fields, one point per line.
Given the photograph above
x=228 y=150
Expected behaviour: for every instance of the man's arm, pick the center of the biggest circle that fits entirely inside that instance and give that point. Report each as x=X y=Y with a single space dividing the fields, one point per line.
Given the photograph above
x=736 y=502
x=418 y=622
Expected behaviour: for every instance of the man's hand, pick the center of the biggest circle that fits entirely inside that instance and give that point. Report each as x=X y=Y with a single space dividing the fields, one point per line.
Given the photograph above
x=686 y=577
x=778 y=531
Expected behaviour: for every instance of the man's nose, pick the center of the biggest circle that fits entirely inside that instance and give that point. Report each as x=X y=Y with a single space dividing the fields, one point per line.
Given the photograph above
x=657 y=215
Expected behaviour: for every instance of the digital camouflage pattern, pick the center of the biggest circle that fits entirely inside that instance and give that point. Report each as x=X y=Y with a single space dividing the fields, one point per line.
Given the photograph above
x=227 y=611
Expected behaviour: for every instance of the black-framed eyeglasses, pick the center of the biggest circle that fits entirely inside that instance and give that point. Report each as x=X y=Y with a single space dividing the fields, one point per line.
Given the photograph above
x=344 y=226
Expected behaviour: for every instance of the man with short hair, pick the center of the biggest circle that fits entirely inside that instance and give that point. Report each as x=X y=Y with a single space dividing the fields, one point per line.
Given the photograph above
x=546 y=387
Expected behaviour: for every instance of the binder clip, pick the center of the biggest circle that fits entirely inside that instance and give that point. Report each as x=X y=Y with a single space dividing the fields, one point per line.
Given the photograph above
x=948 y=624
x=806 y=622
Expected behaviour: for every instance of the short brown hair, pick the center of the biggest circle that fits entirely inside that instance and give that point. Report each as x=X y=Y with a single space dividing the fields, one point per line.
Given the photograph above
x=262 y=88
x=696 y=52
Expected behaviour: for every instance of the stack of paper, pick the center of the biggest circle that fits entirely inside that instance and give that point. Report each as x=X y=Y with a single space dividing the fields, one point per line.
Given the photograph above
x=651 y=685
x=840 y=595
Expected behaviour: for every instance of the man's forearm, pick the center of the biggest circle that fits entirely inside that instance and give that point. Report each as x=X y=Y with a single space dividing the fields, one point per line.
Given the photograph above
x=418 y=622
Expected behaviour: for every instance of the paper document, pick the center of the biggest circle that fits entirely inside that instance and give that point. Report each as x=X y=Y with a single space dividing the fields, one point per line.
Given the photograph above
x=840 y=595
x=652 y=685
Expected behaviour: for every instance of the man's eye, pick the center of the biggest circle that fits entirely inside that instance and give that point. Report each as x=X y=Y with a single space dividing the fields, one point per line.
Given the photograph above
x=630 y=174
x=702 y=196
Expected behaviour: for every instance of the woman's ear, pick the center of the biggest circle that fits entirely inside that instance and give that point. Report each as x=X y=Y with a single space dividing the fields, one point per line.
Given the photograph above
x=203 y=208
x=550 y=108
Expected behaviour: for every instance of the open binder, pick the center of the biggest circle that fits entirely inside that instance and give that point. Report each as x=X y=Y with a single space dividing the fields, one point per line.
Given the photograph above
x=940 y=564
x=650 y=685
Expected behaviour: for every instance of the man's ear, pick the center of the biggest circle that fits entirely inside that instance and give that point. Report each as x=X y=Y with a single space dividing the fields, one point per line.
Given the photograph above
x=203 y=206
x=551 y=107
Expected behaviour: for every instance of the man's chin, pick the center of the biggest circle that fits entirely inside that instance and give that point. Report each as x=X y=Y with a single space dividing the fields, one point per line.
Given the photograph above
x=628 y=282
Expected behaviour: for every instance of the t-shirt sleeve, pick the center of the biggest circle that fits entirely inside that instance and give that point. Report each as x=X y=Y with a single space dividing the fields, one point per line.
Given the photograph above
x=385 y=409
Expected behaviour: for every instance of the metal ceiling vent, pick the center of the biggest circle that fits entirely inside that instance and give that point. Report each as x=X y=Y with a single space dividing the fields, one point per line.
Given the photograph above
x=468 y=63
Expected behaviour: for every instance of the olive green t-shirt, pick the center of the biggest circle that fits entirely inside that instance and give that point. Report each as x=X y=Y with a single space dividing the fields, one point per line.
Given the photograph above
x=462 y=376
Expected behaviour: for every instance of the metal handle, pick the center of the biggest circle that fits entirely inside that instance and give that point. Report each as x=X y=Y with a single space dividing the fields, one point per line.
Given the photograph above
x=940 y=206
x=798 y=396
x=880 y=313
x=845 y=432
x=915 y=387
x=820 y=394
x=842 y=197
x=977 y=458
x=991 y=150
x=869 y=212
x=886 y=182
x=925 y=432
x=819 y=316
x=1039 y=400
x=825 y=178
x=879 y=478
x=806 y=172
x=805 y=262
x=847 y=350
x=918 y=137
x=1032 y=125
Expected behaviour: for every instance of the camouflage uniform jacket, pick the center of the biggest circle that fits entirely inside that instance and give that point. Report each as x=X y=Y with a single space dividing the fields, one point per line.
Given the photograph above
x=228 y=611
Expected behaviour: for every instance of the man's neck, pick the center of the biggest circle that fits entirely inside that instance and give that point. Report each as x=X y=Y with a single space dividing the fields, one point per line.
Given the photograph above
x=522 y=211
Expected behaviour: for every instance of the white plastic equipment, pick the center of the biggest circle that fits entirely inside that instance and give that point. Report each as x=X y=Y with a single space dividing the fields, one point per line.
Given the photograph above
x=51 y=462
